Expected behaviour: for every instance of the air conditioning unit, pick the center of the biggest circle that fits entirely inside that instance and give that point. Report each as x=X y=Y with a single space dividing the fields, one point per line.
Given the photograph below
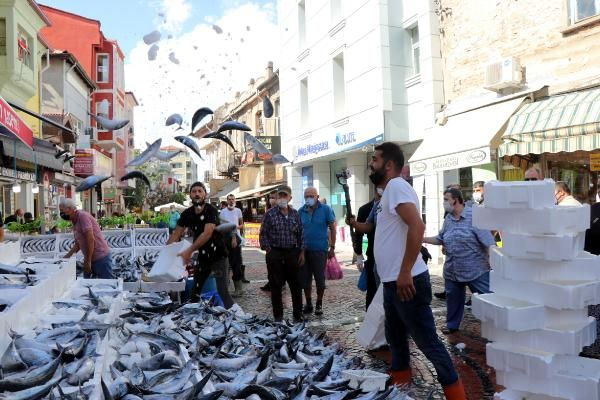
x=503 y=74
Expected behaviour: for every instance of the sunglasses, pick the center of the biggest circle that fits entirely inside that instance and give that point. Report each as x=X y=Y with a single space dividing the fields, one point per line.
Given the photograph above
x=531 y=179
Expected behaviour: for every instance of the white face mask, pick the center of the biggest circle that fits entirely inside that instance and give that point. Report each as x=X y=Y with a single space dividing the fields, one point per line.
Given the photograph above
x=230 y=207
x=282 y=203
x=380 y=191
x=447 y=207
x=477 y=197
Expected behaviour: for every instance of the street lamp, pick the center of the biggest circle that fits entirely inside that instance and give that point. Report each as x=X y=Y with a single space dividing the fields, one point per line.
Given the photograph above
x=16 y=188
x=35 y=189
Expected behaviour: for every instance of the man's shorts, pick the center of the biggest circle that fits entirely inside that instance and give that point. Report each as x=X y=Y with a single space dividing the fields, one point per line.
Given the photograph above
x=314 y=265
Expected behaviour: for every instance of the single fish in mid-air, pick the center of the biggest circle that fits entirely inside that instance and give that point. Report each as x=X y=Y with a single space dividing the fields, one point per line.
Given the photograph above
x=176 y=119
x=110 y=124
x=256 y=145
x=219 y=136
x=267 y=107
x=90 y=182
x=136 y=175
x=233 y=126
x=146 y=154
x=199 y=115
x=189 y=143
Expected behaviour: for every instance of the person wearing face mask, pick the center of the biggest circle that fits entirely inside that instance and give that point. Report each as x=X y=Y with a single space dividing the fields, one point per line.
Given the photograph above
x=270 y=204
x=467 y=257
x=562 y=195
x=478 y=192
x=201 y=219
x=282 y=238
x=97 y=262
x=318 y=222
x=233 y=215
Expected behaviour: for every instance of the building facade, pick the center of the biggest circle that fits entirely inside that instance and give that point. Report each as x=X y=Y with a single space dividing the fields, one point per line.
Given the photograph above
x=183 y=167
x=354 y=74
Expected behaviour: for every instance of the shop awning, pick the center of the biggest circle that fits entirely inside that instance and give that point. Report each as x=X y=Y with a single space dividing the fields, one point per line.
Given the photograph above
x=229 y=188
x=256 y=192
x=465 y=140
x=13 y=126
x=42 y=153
x=568 y=122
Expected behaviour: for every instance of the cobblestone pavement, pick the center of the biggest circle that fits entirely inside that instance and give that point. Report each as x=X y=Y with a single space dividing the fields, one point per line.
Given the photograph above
x=344 y=310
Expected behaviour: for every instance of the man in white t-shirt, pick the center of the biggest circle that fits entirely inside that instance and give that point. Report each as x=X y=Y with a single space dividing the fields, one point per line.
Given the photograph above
x=406 y=285
x=233 y=215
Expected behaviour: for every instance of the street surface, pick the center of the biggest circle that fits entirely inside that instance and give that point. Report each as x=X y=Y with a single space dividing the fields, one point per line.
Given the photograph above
x=344 y=308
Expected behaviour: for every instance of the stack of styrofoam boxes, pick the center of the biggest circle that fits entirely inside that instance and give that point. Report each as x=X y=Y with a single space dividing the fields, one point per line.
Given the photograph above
x=542 y=282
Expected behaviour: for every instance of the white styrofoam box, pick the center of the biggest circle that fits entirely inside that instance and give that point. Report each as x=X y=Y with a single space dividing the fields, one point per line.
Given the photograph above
x=558 y=339
x=537 y=194
x=585 y=266
x=10 y=252
x=162 y=286
x=577 y=379
x=510 y=394
x=542 y=221
x=555 y=317
x=168 y=267
x=572 y=295
x=365 y=379
x=543 y=247
x=147 y=237
x=38 y=244
x=509 y=358
x=118 y=238
x=508 y=313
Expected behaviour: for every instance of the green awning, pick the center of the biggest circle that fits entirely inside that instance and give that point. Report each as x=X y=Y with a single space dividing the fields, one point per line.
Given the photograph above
x=568 y=122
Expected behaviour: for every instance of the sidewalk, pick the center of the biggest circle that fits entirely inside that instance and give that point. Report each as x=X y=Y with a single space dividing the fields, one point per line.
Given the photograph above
x=344 y=308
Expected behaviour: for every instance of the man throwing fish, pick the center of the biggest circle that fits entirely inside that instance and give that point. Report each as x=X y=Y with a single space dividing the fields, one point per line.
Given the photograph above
x=406 y=285
x=97 y=262
x=202 y=218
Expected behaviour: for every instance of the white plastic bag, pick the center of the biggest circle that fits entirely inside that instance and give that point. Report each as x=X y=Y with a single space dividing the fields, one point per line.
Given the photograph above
x=371 y=334
x=168 y=267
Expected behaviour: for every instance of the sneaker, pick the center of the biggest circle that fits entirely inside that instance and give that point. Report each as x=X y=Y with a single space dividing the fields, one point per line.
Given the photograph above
x=319 y=309
x=440 y=295
x=308 y=308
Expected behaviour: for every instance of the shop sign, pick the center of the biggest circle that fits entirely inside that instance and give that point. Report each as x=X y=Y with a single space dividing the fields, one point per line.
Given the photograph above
x=15 y=125
x=335 y=142
x=463 y=159
x=272 y=143
x=595 y=162
x=84 y=162
x=21 y=175
x=251 y=233
x=109 y=195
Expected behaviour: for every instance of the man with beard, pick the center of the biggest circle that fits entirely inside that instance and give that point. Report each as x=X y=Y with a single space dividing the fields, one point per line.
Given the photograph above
x=406 y=285
x=202 y=218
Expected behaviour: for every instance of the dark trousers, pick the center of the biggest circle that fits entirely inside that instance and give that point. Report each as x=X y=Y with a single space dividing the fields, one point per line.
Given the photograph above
x=282 y=266
x=455 y=297
x=220 y=272
x=101 y=269
x=414 y=318
x=371 y=281
x=235 y=261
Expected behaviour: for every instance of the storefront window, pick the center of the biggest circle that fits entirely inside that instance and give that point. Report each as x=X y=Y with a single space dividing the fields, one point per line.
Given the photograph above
x=307 y=177
x=574 y=170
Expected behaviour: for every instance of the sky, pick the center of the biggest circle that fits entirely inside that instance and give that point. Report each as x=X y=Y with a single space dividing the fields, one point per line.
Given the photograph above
x=208 y=50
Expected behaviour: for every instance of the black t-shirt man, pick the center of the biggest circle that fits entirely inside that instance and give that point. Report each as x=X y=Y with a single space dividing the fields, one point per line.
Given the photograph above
x=214 y=248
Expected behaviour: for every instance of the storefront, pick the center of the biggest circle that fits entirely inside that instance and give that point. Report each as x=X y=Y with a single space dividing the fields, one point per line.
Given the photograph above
x=561 y=136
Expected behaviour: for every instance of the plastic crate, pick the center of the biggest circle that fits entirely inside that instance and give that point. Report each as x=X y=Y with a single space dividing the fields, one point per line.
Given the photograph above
x=543 y=247
x=508 y=313
x=519 y=194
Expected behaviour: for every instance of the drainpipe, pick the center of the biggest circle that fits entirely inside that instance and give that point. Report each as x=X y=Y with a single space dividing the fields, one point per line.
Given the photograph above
x=44 y=69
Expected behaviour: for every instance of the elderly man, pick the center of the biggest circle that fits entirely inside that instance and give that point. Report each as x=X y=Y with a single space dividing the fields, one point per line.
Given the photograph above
x=282 y=237
x=318 y=222
x=478 y=196
x=233 y=215
x=562 y=195
x=97 y=262
x=16 y=217
x=533 y=174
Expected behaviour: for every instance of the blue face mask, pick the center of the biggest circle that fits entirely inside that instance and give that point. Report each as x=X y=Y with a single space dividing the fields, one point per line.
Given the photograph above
x=310 y=202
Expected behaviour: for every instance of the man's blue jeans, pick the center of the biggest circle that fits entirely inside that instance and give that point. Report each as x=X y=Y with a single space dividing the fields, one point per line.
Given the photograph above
x=455 y=297
x=414 y=318
x=101 y=269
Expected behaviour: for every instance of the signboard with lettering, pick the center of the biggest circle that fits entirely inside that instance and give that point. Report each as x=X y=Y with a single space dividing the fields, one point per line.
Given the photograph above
x=109 y=195
x=595 y=162
x=272 y=143
x=12 y=123
x=84 y=162
x=251 y=233
x=463 y=159
x=21 y=175
x=322 y=145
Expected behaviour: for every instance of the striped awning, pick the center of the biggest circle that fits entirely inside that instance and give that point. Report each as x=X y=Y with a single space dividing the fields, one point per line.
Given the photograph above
x=568 y=122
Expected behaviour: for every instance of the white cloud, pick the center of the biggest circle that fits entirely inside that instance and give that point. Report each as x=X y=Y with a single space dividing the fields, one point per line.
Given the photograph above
x=175 y=12
x=208 y=75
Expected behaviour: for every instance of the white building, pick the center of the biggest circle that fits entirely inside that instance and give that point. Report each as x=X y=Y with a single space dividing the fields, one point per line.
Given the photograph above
x=354 y=73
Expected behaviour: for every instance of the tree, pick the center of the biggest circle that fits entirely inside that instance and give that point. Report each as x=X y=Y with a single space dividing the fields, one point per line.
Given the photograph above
x=178 y=197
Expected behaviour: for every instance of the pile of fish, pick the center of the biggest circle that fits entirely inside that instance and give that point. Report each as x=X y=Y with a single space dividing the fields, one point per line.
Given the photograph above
x=131 y=269
x=13 y=279
x=200 y=351
x=59 y=357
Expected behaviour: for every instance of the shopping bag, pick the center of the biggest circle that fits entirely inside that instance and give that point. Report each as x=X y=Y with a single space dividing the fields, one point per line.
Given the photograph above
x=168 y=267
x=362 y=281
x=371 y=334
x=333 y=269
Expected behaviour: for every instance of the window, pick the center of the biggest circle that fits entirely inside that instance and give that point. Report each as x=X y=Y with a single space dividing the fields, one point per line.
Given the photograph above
x=336 y=10
x=188 y=164
x=24 y=48
x=77 y=125
x=304 y=103
x=102 y=108
x=339 y=86
x=301 y=24
x=102 y=69
x=582 y=9
x=177 y=165
x=2 y=37
x=415 y=50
